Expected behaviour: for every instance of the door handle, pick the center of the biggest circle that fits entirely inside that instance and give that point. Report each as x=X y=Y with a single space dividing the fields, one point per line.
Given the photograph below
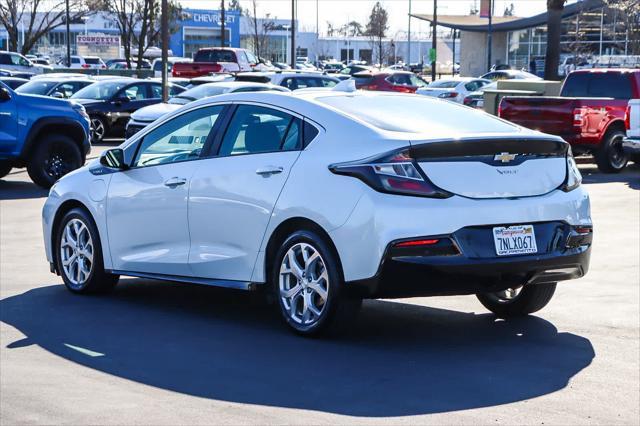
x=269 y=170
x=175 y=181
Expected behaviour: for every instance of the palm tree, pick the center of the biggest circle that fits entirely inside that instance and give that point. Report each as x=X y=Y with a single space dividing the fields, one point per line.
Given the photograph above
x=554 y=20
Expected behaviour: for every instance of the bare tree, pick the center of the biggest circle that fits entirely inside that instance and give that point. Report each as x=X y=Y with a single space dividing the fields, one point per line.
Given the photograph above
x=260 y=29
x=37 y=17
x=377 y=29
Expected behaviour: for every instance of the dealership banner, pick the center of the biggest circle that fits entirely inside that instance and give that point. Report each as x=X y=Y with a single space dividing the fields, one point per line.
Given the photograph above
x=104 y=46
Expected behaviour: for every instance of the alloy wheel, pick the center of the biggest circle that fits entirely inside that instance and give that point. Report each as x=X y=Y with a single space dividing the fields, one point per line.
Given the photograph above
x=303 y=284
x=508 y=294
x=97 y=129
x=76 y=252
x=617 y=156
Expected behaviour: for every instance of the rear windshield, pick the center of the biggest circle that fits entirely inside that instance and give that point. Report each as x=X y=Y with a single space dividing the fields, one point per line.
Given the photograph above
x=363 y=80
x=444 y=84
x=92 y=61
x=35 y=87
x=215 y=56
x=417 y=114
x=598 y=85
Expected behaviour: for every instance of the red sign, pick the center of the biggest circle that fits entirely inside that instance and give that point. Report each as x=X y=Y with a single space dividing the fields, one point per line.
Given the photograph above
x=485 y=8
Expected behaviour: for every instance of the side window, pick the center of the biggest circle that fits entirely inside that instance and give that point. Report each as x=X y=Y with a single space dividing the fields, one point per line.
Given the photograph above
x=5 y=59
x=293 y=136
x=173 y=90
x=136 y=92
x=66 y=89
x=156 y=90
x=327 y=82
x=346 y=71
x=180 y=139
x=290 y=83
x=75 y=60
x=309 y=133
x=255 y=129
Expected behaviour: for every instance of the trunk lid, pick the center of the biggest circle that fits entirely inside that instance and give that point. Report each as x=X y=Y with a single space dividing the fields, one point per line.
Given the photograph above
x=494 y=168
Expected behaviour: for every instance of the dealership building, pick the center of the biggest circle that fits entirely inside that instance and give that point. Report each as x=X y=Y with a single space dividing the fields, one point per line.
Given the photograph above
x=589 y=28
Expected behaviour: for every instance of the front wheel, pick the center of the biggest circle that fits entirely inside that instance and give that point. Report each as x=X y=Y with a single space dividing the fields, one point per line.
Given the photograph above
x=98 y=129
x=79 y=255
x=515 y=302
x=309 y=287
x=610 y=157
x=53 y=157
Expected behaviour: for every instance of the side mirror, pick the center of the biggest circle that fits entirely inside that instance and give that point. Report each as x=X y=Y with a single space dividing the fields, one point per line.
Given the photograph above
x=57 y=95
x=5 y=95
x=114 y=159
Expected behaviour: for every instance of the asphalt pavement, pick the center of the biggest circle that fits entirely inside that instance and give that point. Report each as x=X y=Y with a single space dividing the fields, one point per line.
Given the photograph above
x=166 y=353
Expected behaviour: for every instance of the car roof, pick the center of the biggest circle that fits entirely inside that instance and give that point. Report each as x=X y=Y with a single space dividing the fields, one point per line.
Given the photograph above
x=125 y=80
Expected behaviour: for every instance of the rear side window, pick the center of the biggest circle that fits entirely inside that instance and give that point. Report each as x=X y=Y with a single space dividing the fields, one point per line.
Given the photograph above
x=309 y=133
x=5 y=59
x=327 y=82
x=255 y=129
x=598 y=85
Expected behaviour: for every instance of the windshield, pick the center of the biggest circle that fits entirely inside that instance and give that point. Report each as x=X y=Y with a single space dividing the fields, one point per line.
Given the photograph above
x=36 y=87
x=198 y=92
x=100 y=91
x=417 y=114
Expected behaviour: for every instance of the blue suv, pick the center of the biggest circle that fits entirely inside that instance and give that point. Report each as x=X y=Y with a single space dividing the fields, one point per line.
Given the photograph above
x=48 y=136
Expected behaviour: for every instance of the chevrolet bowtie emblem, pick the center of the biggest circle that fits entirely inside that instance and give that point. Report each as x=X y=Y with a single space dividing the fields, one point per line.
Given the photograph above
x=504 y=157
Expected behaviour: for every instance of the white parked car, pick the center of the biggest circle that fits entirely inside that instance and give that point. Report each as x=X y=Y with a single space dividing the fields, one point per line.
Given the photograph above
x=16 y=63
x=82 y=62
x=631 y=143
x=325 y=198
x=453 y=89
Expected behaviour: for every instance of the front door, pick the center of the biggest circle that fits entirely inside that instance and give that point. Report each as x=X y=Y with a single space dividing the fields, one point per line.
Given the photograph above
x=129 y=100
x=147 y=204
x=233 y=194
x=8 y=123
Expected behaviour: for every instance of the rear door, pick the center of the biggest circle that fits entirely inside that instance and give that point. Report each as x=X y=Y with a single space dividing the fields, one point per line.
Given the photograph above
x=233 y=193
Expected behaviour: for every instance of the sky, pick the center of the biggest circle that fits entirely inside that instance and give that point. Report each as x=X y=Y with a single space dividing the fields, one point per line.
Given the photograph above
x=339 y=12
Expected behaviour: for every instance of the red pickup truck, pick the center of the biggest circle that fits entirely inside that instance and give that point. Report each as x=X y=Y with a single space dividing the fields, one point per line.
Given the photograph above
x=215 y=60
x=589 y=113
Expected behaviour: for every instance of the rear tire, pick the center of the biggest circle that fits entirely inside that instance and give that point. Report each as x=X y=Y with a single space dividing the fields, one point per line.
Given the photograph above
x=5 y=168
x=518 y=302
x=307 y=283
x=79 y=255
x=98 y=129
x=53 y=157
x=610 y=157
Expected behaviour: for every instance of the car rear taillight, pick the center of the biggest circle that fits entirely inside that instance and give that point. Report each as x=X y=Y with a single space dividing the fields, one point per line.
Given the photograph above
x=402 y=89
x=448 y=95
x=579 y=115
x=417 y=243
x=467 y=100
x=500 y=108
x=86 y=66
x=627 y=118
x=391 y=173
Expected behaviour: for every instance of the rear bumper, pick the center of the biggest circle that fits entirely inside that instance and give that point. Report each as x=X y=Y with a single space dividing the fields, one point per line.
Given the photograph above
x=465 y=263
x=631 y=146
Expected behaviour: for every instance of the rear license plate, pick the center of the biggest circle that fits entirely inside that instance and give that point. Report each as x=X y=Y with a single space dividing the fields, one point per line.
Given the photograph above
x=480 y=103
x=512 y=240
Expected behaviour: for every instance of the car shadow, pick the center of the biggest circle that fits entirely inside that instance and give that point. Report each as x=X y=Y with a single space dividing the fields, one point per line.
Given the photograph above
x=399 y=359
x=630 y=175
x=20 y=190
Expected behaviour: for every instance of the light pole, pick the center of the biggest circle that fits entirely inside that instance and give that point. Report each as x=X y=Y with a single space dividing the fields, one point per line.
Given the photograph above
x=434 y=37
x=222 y=23
x=409 y=38
x=293 y=34
x=165 y=50
x=68 y=35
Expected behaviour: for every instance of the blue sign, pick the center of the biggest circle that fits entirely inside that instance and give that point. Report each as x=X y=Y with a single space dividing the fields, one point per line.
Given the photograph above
x=201 y=28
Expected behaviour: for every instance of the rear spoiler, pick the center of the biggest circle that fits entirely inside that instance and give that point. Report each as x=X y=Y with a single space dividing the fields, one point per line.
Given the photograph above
x=484 y=146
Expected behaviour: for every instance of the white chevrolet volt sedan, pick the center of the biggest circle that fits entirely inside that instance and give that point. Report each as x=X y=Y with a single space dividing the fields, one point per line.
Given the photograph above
x=325 y=198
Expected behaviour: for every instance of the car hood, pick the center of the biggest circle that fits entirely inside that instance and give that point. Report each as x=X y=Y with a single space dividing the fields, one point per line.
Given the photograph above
x=88 y=102
x=153 y=112
x=43 y=100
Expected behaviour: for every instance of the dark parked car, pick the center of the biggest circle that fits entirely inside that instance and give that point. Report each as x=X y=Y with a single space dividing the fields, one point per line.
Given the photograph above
x=348 y=71
x=13 y=82
x=389 y=81
x=55 y=87
x=144 y=64
x=110 y=103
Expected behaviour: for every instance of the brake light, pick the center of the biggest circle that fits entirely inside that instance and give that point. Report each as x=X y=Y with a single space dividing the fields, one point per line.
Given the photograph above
x=579 y=115
x=402 y=89
x=416 y=243
x=448 y=95
x=500 y=108
x=391 y=173
x=86 y=66
x=467 y=101
x=627 y=118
